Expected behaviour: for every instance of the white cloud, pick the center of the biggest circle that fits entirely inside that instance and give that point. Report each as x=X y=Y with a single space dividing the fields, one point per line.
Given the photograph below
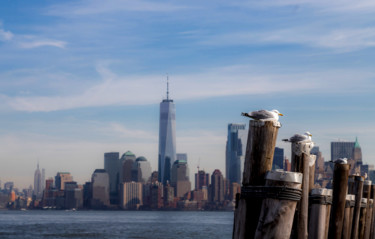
x=5 y=35
x=226 y=81
x=41 y=43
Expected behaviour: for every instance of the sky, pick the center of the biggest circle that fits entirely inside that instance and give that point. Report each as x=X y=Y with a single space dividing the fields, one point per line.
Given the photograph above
x=81 y=78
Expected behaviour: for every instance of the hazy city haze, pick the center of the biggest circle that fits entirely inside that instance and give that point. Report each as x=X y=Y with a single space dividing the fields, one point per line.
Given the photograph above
x=80 y=78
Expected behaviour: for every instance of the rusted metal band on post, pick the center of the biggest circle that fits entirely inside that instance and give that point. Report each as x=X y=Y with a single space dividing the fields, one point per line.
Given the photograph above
x=364 y=202
x=276 y=192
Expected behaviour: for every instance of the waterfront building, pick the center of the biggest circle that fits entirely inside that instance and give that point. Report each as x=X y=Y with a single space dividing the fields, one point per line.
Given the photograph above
x=201 y=179
x=278 y=159
x=131 y=195
x=141 y=171
x=168 y=196
x=234 y=152
x=127 y=160
x=180 y=178
x=167 y=138
x=61 y=178
x=100 y=189
x=73 y=196
x=217 y=186
x=38 y=188
x=342 y=150
x=181 y=156
x=112 y=167
x=156 y=195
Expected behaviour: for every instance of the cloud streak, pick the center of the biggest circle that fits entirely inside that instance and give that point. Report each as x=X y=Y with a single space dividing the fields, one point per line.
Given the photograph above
x=42 y=43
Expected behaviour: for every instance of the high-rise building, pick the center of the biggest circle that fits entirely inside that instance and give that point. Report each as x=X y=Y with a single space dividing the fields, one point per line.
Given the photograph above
x=112 y=167
x=201 y=179
x=167 y=138
x=342 y=150
x=38 y=190
x=217 y=186
x=234 y=151
x=73 y=196
x=61 y=178
x=181 y=156
x=141 y=171
x=127 y=160
x=43 y=179
x=131 y=195
x=180 y=178
x=278 y=159
x=100 y=189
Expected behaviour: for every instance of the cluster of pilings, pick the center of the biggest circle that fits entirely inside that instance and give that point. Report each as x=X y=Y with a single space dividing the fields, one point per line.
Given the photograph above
x=283 y=205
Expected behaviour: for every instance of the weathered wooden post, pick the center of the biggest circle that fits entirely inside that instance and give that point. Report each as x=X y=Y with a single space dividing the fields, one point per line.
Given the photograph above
x=258 y=160
x=328 y=216
x=283 y=190
x=349 y=205
x=362 y=218
x=300 y=163
x=340 y=187
x=312 y=172
x=357 y=190
x=367 y=195
x=319 y=199
x=370 y=204
x=372 y=232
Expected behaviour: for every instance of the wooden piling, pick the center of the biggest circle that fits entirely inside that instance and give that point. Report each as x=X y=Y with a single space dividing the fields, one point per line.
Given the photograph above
x=258 y=160
x=349 y=205
x=369 y=209
x=319 y=200
x=328 y=216
x=340 y=186
x=372 y=231
x=362 y=219
x=300 y=163
x=276 y=217
x=357 y=190
x=312 y=172
x=367 y=195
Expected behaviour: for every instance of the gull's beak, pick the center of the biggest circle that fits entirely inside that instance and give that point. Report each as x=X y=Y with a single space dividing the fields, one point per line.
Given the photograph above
x=281 y=114
x=310 y=135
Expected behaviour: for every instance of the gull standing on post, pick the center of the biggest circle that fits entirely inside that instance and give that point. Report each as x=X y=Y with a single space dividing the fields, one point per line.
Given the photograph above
x=263 y=115
x=299 y=138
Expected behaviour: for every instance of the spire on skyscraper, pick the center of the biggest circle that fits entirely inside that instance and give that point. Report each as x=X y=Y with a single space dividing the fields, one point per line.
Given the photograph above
x=167 y=87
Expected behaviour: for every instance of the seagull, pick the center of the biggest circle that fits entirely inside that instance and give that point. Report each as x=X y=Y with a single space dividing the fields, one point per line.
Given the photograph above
x=263 y=115
x=306 y=137
x=340 y=161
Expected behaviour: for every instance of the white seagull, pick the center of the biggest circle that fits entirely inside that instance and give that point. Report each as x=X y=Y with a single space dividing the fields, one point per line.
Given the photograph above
x=340 y=161
x=299 y=138
x=263 y=115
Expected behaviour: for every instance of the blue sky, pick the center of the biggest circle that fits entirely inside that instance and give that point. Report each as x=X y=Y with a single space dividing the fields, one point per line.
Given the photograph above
x=80 y=78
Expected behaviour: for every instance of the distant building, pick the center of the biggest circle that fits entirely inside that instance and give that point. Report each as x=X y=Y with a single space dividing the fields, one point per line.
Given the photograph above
x=278 y=159
x=100 y=189
x=38 y=186
x=168 y=196
x=181 y=156
x=61 y=178
x=73 y=196
x=127 y=161
x=141 y=171
x=342 y=150
x=156 y=198
x=217 y=187
x=131 y=195
x=167 y=138
x=112 y=167
x=154 y=176
x=180 y=178
x=201 y=179
x=234 y=151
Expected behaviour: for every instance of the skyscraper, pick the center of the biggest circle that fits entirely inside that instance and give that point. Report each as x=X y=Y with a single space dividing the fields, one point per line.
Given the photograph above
x=141 y=171
x=167 y=138
x=278 y=159
x=100 y=189
x=38 y=183
x=112 y=166
x=342 y=150
x=180 y=178
x=234 y=152
x=217 y=186
x=61 y=178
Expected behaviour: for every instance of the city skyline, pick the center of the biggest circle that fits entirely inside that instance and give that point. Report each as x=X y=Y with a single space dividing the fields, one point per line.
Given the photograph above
x=79 y=78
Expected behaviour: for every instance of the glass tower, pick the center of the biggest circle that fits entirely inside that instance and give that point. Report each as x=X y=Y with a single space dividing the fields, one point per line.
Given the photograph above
x=234 y=151
x=167 y=138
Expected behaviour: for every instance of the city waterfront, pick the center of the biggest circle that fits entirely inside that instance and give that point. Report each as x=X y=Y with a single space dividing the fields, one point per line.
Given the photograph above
x=115 y=224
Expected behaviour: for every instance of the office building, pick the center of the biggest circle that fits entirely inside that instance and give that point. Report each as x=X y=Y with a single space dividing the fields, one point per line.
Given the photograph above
x=131 y=195
x=278 y=159
x=201 y=179
x=181 y=156
x=167 y=138
x=180 y=178
x=217 y=187
x=141 y=171
x=38 y=188
x=73 y=196
x=342 y=150
x=234 y=152
x=61 y=178
x=127 y=160
x=100 y=189
x=112 y=167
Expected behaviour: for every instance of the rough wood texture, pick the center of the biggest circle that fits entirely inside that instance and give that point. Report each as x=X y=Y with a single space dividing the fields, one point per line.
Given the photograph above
x=300 y=163
x=367 y=194
x=317 y=215
x=368 y=219
x=327 y=220
x=372 y=231
x=276 y=217
x=346 y=224
x=340 y=186
x=312 y=172
x=357 y=190
x=362 y=222
x=258 y=160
